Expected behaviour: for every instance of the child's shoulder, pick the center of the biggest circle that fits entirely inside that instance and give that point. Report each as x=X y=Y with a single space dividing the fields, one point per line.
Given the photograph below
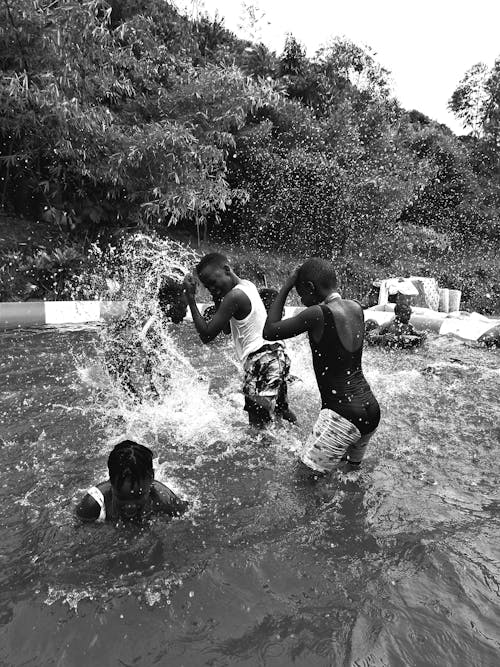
x=165 y=500
x=93 y=504
x=243 y=293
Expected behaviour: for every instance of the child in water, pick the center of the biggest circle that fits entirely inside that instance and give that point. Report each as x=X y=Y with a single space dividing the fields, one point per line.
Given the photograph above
x=398 y=332
x=240 y=311
x=349 y=412
x=131 y=493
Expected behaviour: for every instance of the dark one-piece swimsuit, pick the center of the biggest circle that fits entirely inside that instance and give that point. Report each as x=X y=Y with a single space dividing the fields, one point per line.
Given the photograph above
x=341 y=382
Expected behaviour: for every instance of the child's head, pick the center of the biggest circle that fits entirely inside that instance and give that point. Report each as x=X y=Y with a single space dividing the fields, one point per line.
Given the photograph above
x=370 y=325
x=316 y=279
x=402 y=312
x=216 y=274
x=131 y=475
x=172 y=300
x=268 y=295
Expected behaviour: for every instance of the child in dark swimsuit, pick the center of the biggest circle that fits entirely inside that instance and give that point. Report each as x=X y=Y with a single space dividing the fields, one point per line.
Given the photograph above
x=350 y=412
x=131 y=492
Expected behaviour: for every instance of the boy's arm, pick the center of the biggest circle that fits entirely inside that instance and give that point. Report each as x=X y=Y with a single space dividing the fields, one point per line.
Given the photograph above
x=209 y=330
x=277 y=329
x=413 y=332
x=227 y=329
x=307 y=320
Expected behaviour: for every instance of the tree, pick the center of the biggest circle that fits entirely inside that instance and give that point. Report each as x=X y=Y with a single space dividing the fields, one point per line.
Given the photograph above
x=469 y=100
x=476 y=101
x=113 y=104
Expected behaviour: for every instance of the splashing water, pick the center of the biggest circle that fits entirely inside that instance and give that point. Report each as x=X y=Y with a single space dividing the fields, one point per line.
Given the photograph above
x=137 y=357
x=134 y=270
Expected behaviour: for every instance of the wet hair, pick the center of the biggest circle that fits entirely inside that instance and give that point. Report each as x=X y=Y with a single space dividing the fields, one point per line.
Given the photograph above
x=130 y=461
x=318 y=271
x=215 y=259
x=268 y=295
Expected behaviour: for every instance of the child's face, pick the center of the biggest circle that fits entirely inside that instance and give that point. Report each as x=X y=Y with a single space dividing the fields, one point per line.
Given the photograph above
x=130 y=499
x=217 y=280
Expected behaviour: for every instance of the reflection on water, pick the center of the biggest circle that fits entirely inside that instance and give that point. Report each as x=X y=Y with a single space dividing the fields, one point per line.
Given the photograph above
x=396 y=564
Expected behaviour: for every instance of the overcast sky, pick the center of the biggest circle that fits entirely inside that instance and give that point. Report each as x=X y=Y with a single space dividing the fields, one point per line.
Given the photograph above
x=427 y=45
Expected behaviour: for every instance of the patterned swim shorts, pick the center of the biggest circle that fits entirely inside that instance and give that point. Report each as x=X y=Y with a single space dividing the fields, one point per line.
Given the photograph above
x=333 y=439
x=265 y=371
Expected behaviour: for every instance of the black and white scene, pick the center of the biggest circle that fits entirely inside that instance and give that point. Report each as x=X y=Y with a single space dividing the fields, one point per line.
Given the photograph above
x=249 y=333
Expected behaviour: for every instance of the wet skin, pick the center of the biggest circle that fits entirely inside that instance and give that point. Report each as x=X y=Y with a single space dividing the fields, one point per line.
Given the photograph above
x=229 y=303
x=217 y=281
x=131 y=501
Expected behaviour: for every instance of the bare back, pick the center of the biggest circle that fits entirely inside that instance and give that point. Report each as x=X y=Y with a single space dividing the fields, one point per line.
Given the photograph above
x=349 y=323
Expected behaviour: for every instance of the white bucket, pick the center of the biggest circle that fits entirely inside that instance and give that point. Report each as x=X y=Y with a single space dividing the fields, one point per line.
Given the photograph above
x=444 y=300
x=454 y=300
x=328 y=442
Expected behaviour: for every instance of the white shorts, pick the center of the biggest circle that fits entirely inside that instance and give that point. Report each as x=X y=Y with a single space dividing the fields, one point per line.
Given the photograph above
x=333 y=438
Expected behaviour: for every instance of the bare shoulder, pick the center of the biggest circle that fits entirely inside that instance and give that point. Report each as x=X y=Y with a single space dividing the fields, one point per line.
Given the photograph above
x=239 y=302
x=347 y=309
x=166 y=501
x=353 y=306
x=349 y=322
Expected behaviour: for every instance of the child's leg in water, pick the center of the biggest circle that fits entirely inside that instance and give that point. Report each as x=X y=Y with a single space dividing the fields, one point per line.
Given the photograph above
x=265 y=385
x=259 y=411
x=306 y=475
x=282 y=407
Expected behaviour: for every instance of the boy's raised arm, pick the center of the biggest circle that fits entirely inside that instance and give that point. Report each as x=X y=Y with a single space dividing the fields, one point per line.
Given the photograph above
x=220 y=321
x=276 y=328
x=227 y=328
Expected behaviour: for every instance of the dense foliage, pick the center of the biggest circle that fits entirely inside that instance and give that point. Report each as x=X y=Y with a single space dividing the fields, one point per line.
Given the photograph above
x=124 y=112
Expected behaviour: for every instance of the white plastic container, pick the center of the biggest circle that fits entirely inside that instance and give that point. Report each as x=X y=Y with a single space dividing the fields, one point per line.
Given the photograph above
x=454 y=300
x=444 y=300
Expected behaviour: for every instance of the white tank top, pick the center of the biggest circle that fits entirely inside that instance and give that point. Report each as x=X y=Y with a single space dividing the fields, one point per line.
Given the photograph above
x=247 y=333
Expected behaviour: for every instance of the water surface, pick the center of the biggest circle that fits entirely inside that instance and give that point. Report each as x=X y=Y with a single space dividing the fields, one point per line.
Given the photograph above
x=397 y=564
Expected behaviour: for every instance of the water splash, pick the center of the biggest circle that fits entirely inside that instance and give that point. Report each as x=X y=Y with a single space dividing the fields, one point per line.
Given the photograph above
x=133 y=270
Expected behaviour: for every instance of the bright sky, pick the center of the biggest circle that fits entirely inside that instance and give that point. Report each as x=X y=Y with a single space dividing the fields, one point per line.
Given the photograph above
x=427 y=45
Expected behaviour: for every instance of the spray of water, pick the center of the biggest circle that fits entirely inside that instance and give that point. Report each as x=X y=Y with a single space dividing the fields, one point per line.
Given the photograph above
x=144 y=384
x=134 y=269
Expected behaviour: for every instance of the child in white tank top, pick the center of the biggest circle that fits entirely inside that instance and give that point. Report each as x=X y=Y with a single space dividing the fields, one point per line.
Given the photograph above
x=239 y=309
